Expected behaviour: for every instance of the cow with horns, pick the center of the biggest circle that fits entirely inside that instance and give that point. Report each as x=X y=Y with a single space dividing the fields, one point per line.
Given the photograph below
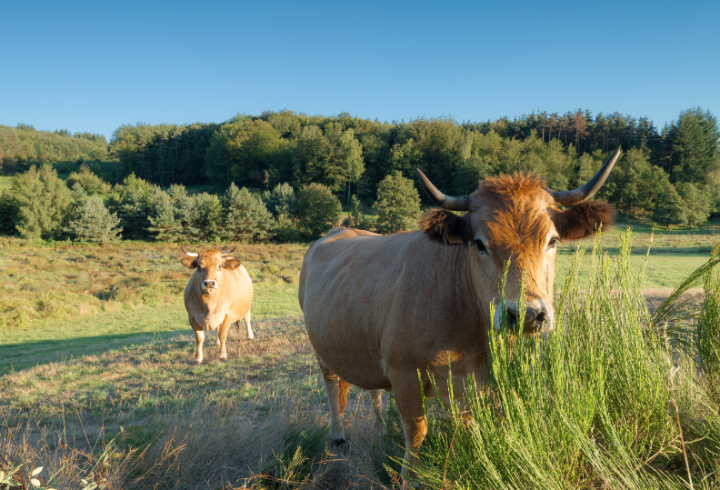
x=378 y=309
x=218 y=294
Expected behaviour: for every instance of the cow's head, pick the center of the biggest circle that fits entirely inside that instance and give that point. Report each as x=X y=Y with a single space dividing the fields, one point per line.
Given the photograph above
x=517 y=218
x=209 y=265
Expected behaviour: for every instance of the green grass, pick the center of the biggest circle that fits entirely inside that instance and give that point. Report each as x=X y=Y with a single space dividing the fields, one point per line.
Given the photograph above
x=606 y=401
x=4 y=182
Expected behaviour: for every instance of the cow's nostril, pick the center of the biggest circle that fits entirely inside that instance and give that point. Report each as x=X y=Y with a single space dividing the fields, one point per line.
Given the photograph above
x=540 y=317
x=511 y=317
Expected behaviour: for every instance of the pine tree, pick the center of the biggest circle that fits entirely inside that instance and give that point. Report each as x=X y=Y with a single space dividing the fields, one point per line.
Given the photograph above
x=282 y=200
x=246 y=217
x=207 y=217
x=318 y=210
x=697 y=203
x=398 y=204
x=92 y=222
x=164 y=225
x=671 y=208
x=695 y=143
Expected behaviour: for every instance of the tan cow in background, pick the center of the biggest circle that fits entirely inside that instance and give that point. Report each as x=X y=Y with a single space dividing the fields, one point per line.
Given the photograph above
x=219 y=293
x=378 y=309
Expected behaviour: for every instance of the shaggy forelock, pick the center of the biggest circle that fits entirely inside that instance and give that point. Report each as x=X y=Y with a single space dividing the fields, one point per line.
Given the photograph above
x=519 y=222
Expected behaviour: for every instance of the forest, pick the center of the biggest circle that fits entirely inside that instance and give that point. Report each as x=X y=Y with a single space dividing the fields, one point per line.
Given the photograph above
x=140 y=179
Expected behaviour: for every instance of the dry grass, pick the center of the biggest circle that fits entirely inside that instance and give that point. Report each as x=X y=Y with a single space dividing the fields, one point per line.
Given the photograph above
x=150 y=419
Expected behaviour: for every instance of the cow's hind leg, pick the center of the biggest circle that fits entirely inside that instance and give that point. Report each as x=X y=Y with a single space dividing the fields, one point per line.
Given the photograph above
x=334 y=392
x=250 y=335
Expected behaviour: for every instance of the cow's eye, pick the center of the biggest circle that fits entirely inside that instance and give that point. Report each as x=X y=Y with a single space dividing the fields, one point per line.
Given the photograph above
x=553 y=242
x=219 y=266
x=481 y=246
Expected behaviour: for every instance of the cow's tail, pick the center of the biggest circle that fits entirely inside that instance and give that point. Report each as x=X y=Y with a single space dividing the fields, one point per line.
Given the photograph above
x=342 y=396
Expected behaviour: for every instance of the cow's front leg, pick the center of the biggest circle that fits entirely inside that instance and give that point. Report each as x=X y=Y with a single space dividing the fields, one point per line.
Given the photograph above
x=376 y=396
x=408 y=399
x=222 y=337
x=199 y=339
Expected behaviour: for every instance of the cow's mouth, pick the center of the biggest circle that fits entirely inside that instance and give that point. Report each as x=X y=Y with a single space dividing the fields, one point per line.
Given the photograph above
x=537 y=329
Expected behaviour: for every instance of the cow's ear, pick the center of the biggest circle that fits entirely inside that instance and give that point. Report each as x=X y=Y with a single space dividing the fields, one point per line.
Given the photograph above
x=446 y=227
x=231 y=264
x=583 y=220
x=189 y=262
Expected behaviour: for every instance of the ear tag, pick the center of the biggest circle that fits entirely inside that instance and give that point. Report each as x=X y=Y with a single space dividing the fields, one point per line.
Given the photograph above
x=576 y=233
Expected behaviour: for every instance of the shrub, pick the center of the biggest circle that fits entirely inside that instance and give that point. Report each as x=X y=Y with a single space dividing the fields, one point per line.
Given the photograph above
x=282 y=200
x=246 y=217
x=92 y=222
x=90 y=182
x=42 y=200
x=398 y=204
x=318 y=210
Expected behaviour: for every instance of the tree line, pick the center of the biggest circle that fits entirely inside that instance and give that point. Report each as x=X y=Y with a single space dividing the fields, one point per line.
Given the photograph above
x=671 y=175
x=40 y=205
x=23 y=146
x=350 y=155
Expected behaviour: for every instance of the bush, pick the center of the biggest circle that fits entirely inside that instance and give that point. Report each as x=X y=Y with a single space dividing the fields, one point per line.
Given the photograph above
x=318 y=210
x=282 y=200
x=91 y=183
x=42 y=200
x=398 y=204
x=92 y=222
x=246 y=217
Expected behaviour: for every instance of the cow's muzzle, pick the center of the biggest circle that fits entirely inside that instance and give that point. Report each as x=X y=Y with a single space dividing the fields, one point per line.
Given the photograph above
x=209 y=284
x=538 y=318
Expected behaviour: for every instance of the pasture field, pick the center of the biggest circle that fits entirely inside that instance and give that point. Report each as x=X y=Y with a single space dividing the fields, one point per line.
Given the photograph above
x=96 y=382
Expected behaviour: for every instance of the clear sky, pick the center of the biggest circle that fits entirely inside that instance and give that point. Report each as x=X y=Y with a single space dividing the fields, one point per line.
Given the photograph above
x=92 y=66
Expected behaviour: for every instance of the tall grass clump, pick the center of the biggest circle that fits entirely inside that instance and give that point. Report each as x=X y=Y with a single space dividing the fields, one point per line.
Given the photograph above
x=605 y=401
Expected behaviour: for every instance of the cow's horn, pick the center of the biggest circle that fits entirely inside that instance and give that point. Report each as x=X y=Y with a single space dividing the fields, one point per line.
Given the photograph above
x=231 y=251
x=188 y=253
x=451 y=203
x=585 y=192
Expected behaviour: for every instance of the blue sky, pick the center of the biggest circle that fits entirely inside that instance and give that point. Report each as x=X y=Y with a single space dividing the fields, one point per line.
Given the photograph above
x=92 y=66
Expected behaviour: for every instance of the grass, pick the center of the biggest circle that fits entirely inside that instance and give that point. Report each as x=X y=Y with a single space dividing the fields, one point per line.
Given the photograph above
x=606 y=401
x=96 y=382
x=4 y=183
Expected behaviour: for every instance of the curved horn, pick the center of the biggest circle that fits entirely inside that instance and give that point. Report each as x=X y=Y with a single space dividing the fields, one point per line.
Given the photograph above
x=188 y=253
x=451 y=203
x=588 y=190
x=231 y=251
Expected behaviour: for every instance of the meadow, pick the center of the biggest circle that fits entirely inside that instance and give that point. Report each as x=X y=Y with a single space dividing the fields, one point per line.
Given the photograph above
x=97 y=383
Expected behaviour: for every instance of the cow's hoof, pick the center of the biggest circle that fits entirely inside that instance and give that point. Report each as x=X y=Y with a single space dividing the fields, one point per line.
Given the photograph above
x=198 y=363
x=339 y=442
x=251 y=337
x=223 y=359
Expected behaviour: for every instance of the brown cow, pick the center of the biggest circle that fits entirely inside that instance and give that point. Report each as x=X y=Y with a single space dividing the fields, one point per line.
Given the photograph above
x=219 y=293
x=380 y=308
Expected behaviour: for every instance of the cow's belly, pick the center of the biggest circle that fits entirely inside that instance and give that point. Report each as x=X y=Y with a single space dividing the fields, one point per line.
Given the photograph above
x=349 y=352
